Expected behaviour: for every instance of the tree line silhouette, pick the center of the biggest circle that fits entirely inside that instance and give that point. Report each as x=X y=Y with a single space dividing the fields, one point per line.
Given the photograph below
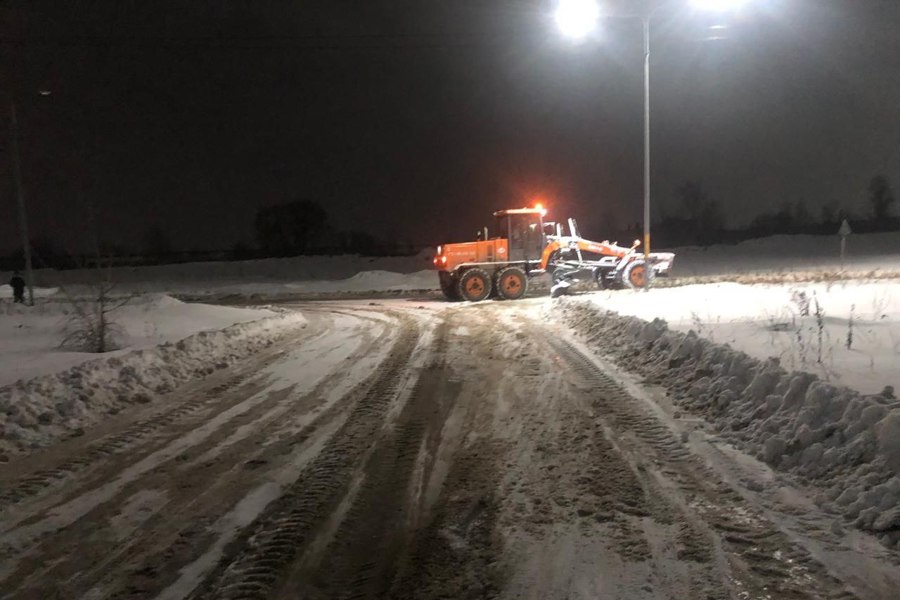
x=700 y=219
x=301 y=227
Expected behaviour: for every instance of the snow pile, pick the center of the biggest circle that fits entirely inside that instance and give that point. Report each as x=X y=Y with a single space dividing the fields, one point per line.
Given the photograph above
x=363 y=282
x=846 y=443
x=30 y=336
x=385 y=280
x=204 y=285
x=37 y=411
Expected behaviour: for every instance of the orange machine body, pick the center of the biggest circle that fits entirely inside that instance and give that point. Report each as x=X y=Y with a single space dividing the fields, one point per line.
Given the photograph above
x=451 y=256
x=494 y=251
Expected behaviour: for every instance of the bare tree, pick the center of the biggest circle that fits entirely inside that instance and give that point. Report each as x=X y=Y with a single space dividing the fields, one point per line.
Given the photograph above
x=91 y=326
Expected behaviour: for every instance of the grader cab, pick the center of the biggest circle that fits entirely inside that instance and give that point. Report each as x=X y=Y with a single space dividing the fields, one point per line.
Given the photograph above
x=501 y=261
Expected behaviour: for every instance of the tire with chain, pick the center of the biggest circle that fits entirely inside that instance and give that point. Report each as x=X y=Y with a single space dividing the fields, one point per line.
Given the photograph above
x=512 y=283
x=475 y=285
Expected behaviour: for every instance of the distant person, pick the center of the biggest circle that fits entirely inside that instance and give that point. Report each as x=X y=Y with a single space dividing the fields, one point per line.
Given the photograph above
x=18 y=286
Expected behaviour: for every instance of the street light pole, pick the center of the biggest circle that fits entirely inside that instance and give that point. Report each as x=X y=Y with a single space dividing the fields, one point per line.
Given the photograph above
x=576 y=18
x=646 y=20
x=20 y=197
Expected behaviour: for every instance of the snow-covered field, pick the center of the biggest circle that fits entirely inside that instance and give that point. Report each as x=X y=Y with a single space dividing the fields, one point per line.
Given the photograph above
x=872 y=254
x=846 y=332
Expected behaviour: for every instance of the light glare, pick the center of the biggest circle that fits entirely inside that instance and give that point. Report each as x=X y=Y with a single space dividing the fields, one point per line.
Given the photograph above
x=719 y=5
x=576 y=18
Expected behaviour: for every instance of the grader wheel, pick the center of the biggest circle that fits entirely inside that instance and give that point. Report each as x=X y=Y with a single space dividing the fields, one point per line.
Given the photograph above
x=636 y=275
x=512 y=283
x=474 y=285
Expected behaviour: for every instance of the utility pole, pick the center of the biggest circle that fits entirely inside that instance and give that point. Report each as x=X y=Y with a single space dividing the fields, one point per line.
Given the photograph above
x=20 y=197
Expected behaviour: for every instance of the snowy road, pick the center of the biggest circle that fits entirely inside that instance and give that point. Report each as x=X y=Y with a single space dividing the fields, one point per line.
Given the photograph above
x=415 y=450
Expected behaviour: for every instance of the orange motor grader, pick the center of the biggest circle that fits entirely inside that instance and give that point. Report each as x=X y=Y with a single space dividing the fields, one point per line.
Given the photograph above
x=523 y=246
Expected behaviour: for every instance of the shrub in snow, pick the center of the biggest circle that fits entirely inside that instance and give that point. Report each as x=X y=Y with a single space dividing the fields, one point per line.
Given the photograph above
x=90 y=326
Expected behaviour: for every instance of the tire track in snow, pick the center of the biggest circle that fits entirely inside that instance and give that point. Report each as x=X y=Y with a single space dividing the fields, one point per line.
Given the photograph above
x=183 y=501
x=361 y=556
x=97 y=452
x=752 y=556
x=287 y=526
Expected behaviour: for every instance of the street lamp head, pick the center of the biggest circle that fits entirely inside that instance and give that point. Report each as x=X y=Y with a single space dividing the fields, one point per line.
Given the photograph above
x=576 y=18
x=718 y=5
x=44 y=92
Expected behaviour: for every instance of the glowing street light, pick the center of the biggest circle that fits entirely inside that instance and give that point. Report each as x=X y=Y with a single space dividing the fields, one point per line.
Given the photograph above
x=577 y=18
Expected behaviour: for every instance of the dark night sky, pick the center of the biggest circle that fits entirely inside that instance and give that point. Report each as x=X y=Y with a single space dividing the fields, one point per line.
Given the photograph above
x=417 y=119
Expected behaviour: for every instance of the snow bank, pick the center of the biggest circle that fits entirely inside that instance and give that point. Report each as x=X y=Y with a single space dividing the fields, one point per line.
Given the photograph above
x=30 y=336
x=807 y=326
x=35 y=412
x=364 y=282
x=846 y=443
